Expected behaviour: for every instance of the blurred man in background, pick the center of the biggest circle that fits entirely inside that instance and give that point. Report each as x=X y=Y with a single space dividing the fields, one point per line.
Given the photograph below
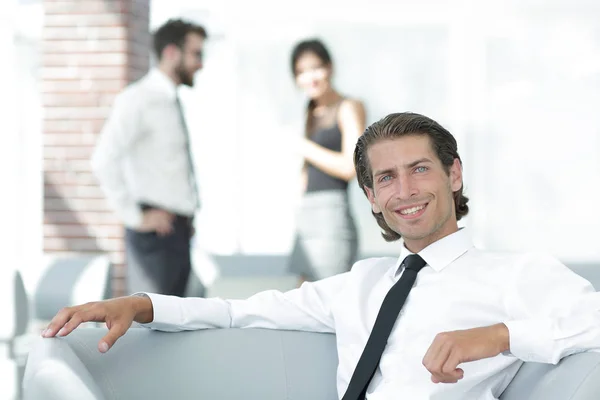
x=144 y=165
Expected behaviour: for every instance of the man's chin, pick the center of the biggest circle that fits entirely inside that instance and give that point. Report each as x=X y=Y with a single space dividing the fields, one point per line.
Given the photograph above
x=408 y=234
x=186 y=80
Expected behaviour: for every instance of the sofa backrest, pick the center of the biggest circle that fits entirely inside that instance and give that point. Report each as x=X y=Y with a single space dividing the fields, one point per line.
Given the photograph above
x=236 y=364
x=225 y=364
x=575 y=378
x=591 y=272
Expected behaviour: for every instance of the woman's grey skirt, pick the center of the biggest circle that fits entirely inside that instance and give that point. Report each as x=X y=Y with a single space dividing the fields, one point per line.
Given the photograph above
x=326 y=241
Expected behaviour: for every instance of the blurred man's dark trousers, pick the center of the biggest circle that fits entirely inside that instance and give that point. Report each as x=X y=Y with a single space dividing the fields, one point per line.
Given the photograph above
x=159 y=264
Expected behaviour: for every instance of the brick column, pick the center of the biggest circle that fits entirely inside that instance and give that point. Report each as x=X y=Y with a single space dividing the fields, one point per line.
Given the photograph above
x=91 y=50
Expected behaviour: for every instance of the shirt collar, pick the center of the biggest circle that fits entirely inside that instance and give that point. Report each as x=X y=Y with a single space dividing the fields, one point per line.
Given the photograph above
x=442 y=253
x=163 y=83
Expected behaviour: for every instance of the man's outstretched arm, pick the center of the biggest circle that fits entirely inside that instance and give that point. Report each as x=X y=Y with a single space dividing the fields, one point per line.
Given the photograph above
x=307 y=308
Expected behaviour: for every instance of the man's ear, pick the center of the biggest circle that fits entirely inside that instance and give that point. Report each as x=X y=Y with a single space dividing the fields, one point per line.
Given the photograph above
x=371 y=196
x=171 y=51
x=456 y=181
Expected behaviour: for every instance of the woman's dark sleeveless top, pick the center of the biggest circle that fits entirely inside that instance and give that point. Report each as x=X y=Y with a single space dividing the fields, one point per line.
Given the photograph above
x=327 y=134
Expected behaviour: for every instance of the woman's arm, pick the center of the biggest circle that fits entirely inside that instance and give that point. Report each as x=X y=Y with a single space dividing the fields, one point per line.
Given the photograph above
x=351 y=119
x=303 y=180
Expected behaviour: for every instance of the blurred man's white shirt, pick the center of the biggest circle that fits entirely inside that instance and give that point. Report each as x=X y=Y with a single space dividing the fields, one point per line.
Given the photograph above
x=141 y=155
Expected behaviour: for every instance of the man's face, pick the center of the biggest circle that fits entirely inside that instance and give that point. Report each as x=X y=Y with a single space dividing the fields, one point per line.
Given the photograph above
x=412 y=190
x=190 y=59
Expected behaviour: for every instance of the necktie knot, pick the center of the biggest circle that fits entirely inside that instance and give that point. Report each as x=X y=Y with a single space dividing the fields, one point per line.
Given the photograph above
x=414 y=262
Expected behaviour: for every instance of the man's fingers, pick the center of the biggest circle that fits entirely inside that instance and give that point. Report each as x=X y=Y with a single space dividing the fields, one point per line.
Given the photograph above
x=164 y=229
x=454 y=377
x=459 y=373
x=448 y=372
x=90 y=314
x=59 y=320
x=442 y=359
x=437 y=359
x=71 y=324
x=450 y=368
x=431 y=353
x=70 y=318
x=116 y=331
x=170 y=216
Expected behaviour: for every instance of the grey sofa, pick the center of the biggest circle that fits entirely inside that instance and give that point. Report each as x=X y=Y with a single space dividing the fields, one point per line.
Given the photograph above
x=243 y=364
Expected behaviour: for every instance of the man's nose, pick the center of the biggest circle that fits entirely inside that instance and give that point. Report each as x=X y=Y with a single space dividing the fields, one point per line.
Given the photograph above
x=406 y=187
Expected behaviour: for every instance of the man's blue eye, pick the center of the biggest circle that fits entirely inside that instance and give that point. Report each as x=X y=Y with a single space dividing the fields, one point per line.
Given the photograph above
x=421 y=169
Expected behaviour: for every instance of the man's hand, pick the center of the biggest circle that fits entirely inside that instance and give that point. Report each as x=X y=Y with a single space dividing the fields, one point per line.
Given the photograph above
x=159 y=221
x=118 y=314
x=449 y=349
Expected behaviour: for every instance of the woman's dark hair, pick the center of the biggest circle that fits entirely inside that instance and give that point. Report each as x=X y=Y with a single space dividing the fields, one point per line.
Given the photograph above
x=398 y=125
x=316 y=47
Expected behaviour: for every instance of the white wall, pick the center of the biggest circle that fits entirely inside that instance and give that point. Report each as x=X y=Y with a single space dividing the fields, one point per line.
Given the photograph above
x=20 y=153
x=10 y=140
x=516 y=82
x=20 y=166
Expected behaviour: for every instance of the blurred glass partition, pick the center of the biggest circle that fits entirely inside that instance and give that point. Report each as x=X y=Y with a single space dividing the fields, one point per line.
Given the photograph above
x=516 y=82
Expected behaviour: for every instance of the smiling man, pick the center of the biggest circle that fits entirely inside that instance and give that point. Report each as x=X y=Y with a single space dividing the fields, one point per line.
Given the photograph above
x=411 y=188
x=442 y=321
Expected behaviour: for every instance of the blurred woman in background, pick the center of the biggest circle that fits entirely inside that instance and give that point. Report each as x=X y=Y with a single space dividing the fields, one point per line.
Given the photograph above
x=326 y=241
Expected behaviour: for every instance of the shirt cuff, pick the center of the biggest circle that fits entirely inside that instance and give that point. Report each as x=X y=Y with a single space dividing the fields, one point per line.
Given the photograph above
x=532 y=340
x=165 y=311
x=174 y=314
x=132 y=217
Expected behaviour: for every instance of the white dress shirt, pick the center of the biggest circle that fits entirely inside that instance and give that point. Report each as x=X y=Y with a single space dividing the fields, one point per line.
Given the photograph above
x=141 y=155
x=550 y=312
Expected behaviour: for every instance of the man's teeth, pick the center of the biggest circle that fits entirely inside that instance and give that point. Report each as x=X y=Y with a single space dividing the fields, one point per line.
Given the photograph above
x=408 y=211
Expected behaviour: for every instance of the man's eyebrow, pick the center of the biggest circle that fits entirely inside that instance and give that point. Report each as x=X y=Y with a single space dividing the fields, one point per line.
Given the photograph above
x=386 y=171
x=417 y=162
x=407 y=166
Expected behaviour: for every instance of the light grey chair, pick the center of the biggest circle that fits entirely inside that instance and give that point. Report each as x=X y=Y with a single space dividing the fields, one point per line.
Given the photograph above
x=67 y=281
x=14 y=321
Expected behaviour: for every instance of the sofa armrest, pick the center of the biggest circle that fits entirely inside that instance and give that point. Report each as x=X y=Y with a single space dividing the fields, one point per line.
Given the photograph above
x=576 y=377
x=55 y=372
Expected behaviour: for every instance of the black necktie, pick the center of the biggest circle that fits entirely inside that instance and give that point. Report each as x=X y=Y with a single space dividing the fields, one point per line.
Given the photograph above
x=388 y=313
x=192 y=173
